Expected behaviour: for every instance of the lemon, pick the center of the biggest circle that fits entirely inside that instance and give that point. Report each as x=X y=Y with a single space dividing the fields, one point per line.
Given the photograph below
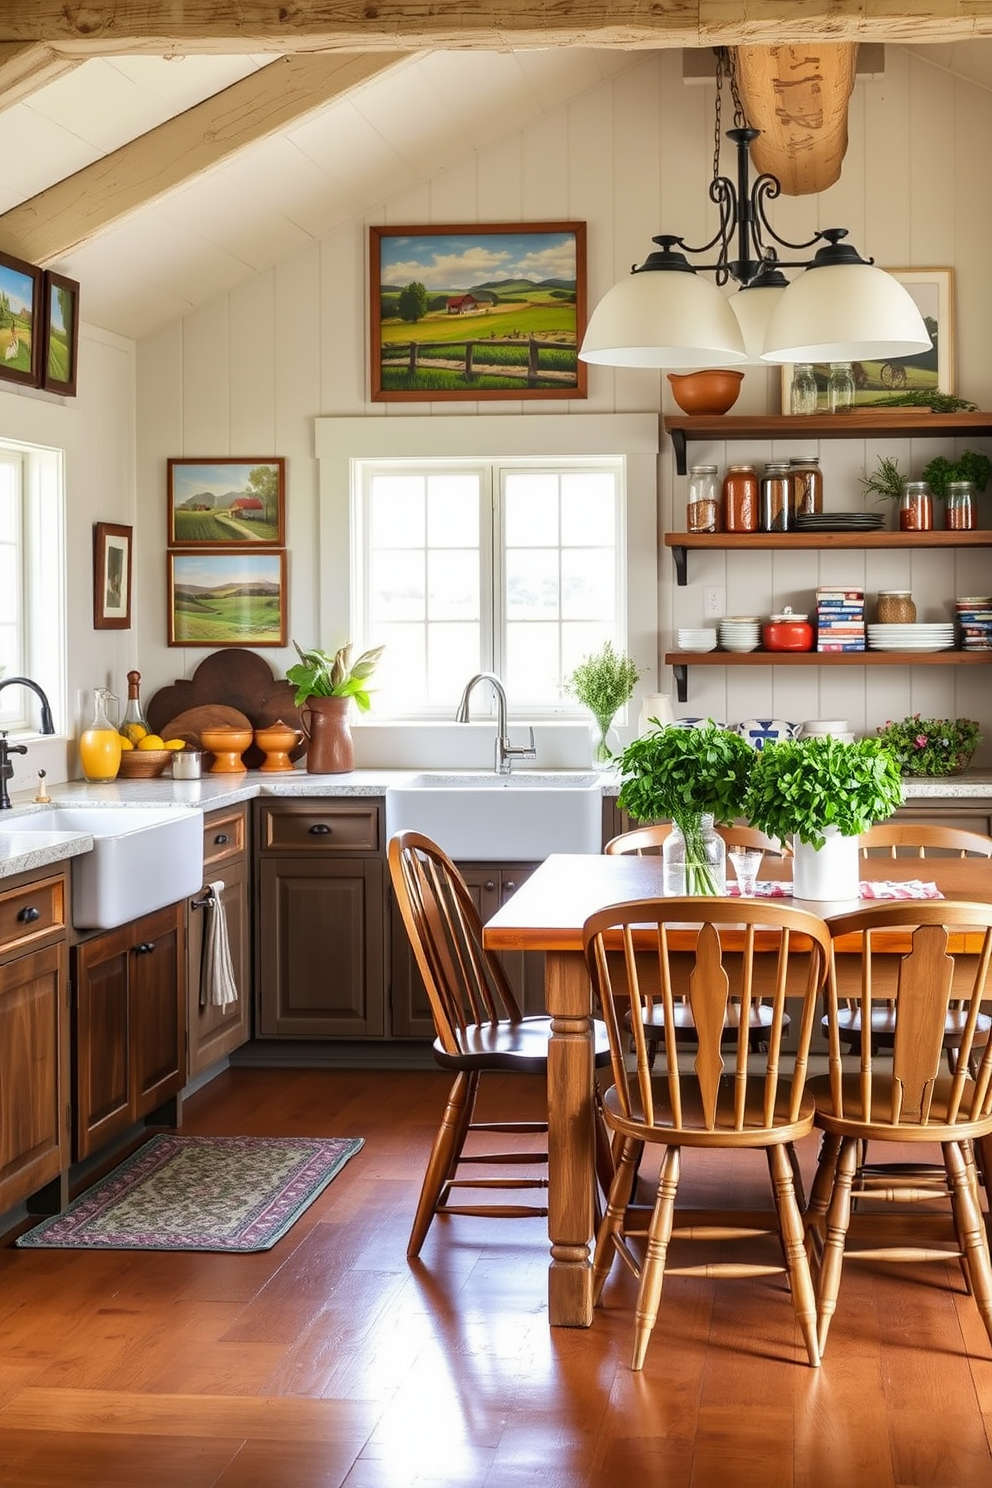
x=133 y=731
x=126 y=743
x=175 y=743
x=150 y=741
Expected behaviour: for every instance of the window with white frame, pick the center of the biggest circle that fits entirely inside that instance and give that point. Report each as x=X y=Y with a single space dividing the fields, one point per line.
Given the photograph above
x=32 y=583
x=462 y=566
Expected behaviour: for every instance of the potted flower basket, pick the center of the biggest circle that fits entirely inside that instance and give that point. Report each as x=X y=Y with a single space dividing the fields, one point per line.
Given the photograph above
x=692 y=777
x=823 y=794
x=931 y=746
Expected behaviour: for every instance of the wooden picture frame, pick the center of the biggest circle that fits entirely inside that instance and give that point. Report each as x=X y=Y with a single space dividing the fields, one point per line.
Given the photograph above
x=218 y=503
x=232 y=598
x=22 y=320
x=933 y=370
x=113 y=566
x=477 y=312
x=60 y=348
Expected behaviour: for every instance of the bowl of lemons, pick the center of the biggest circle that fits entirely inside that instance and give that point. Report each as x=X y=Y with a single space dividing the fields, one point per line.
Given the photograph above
x=147 y=757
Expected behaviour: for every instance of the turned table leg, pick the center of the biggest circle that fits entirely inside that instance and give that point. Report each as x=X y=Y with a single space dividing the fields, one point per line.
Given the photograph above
x=571 y=1144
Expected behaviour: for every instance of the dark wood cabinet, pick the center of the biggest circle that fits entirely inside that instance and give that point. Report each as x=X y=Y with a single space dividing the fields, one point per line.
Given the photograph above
x=130 y=1025
x=319 y=906
x=212 y=1030
x=34 y=1041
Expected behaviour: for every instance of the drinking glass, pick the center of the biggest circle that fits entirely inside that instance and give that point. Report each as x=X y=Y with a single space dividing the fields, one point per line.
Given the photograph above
x=746 y=861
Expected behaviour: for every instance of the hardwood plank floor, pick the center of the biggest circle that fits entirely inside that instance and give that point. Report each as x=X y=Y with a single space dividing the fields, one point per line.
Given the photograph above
x=330 y=1362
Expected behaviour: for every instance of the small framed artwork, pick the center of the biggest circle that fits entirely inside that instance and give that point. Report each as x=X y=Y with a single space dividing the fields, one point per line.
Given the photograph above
x=235 y=598
x=217 y=503
x=112 y=565
x=928 y=371
x=22 y=320
x=477 y=312
x=61 y=343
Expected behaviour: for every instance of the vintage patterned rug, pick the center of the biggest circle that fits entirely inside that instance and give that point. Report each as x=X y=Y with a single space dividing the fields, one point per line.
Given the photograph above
x=199 y=1193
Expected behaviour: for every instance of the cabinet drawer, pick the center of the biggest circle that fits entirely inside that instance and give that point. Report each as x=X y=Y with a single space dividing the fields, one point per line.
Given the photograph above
x=30 y=911
x=224 y=836
x=320 y=827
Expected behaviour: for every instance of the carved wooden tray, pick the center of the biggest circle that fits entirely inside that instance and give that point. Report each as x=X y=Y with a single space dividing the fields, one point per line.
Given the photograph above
x=235 y=679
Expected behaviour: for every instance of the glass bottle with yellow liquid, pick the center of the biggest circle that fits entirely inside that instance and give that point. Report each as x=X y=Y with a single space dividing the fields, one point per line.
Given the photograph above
x=100 y=743
x=134 y=724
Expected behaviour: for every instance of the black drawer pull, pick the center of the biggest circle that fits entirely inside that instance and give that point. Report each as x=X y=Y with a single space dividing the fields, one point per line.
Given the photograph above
x=28 y=914
x=144 y=948
x=320 y=829
x=490 y=884
x=509 y=888
x=220 y=839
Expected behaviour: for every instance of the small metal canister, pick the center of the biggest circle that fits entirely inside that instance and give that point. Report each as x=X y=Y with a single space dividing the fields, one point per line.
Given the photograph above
x=775 y=500
x=187 y=764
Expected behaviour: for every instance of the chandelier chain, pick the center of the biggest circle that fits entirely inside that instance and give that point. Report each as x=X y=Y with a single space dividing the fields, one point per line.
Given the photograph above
x=725 y=68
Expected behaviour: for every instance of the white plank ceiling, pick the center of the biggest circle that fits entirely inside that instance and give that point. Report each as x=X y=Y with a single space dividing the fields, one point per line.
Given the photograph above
x=259 y=206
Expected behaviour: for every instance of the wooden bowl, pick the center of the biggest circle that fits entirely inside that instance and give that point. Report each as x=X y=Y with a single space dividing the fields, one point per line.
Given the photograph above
x=711 y=391
x=143 y=764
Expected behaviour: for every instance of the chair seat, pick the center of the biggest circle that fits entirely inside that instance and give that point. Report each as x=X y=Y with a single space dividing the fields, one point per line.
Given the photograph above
x=878 y=1124
x=883 y=1023
x=692 y=1132
x=521 y=1046
x=760 y=1016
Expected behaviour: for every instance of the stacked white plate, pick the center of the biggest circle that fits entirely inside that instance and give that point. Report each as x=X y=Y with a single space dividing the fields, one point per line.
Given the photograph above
x=740 y=633
x=702 y=639
x=924 y=636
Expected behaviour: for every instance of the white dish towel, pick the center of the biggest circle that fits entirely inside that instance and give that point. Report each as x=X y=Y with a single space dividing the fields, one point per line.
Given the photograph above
x=217 y=984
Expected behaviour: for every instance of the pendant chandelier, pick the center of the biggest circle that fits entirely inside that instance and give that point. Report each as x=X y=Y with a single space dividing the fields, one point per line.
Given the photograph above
x=841 y=307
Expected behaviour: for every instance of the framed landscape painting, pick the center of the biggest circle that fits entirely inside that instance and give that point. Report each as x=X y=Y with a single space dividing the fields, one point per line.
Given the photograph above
x=60 y=348
x=227 y=599
x=22 y=321
x=477 y=312
x=928 y=371
x=217 y=503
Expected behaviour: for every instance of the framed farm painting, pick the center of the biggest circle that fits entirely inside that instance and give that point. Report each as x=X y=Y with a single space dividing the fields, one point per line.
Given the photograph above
x=234 y=598
x=476 y=312
x=217 y=503
x=112 y=549
x=22 y=321
x=61 y=344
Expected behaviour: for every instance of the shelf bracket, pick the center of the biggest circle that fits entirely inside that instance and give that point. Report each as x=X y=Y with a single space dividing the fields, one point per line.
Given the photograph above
x=678 y=443
x=681 y=674
x=680 y=556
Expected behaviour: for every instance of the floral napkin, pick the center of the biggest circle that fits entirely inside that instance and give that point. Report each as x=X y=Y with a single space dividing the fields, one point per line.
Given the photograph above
x=913 y=888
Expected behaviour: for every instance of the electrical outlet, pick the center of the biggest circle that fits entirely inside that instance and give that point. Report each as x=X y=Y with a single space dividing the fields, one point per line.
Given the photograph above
x=713 y=602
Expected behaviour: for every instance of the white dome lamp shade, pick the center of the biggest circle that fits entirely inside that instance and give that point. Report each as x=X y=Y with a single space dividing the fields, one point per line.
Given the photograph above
x=753 y=306
x=664 y=315
x=842 y=309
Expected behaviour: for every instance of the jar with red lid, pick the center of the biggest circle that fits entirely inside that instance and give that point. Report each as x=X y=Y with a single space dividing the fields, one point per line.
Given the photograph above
x=740 y=499
x=787 y=632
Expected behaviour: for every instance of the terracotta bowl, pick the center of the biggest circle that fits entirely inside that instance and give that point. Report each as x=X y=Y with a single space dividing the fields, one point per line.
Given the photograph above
x=712 y=391
x=227 y=746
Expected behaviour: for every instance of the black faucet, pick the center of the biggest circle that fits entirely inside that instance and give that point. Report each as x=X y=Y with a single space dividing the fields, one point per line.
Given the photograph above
x=6 y=750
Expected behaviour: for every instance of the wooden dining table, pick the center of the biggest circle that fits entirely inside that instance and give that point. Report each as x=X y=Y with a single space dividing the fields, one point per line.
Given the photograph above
x=547 y=914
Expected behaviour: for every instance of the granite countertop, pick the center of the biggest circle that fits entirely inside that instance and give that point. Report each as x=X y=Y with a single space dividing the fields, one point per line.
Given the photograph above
x=23 y=851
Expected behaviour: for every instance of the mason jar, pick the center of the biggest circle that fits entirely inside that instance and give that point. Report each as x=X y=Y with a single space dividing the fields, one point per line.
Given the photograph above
x=775 y=498
x=703 y=511
x=915 y=507
x=959 y=506
x=740 y=499
x=895 y=607
x=807 y=481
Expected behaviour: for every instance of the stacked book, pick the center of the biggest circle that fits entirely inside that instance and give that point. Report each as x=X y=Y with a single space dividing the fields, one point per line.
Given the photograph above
x=840 y=619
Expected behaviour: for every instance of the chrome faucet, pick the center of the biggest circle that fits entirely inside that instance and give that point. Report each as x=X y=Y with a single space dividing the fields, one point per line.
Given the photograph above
x=506 y=752
x=6 y=750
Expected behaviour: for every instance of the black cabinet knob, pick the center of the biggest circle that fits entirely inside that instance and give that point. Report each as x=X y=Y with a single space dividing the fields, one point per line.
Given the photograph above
x=144 y=948
x=221 y=838
x=28 y=914
x=320 y=829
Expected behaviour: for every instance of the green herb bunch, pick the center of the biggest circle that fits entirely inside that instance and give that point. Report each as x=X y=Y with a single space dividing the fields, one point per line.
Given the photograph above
x=969 y=466
x=885 y=482
x=319 y=674
x=931 y=746
x=603 y=682
x=799 y=787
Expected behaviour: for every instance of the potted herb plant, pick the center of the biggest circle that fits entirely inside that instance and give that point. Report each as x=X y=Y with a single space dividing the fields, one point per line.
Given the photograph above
x=931 y=746
x=603 y=683
x=823 y=793
x=694 y=777
x=325 y=686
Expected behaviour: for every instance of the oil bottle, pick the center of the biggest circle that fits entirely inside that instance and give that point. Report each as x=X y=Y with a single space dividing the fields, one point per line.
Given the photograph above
x=134 y=724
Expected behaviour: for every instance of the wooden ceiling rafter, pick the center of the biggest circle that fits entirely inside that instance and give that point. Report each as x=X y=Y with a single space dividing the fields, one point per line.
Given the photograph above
x=798 y=96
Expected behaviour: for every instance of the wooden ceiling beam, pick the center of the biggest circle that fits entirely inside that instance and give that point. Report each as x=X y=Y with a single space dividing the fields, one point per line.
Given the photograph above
x=165 y=27
x=27 y=66
x=51 y=224
x=798 y=96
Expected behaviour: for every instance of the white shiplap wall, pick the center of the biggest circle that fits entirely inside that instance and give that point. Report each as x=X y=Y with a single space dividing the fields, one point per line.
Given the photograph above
x=249 y=373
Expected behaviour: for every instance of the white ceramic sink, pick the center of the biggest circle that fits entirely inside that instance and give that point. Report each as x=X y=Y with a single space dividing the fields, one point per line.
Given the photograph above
x=479 y=817
x=143 y=857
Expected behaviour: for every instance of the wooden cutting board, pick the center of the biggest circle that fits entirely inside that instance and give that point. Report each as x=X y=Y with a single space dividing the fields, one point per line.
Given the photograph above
x=190 y=724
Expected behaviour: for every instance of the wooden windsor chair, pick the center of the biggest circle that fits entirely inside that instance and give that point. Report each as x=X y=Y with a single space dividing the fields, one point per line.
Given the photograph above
x=479 y=1028
x=903 y=1096
x=697 y=1099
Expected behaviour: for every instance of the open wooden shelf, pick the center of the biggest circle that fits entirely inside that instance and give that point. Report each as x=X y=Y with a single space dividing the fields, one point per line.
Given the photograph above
x=681 y=661
x=680 y=542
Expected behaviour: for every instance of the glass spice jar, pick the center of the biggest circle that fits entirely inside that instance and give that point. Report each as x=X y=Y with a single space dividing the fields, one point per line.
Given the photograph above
x=807 y=482
x=895 y=607
x=915 y=507
x=775 y=508
x=802 y=389
x=740 y=499
x=840 y=387
x=703 y=511
x=959 y=506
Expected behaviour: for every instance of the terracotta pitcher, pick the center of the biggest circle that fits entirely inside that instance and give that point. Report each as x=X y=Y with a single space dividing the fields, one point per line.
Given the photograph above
x=330 y=747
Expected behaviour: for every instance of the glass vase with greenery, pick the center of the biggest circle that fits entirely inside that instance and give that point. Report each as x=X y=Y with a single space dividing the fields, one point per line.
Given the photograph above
x=603 y=683
x=931 y=746
x=684 y=774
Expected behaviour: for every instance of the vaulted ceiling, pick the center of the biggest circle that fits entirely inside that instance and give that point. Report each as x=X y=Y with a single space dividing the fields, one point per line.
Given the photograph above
x=163 y=152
